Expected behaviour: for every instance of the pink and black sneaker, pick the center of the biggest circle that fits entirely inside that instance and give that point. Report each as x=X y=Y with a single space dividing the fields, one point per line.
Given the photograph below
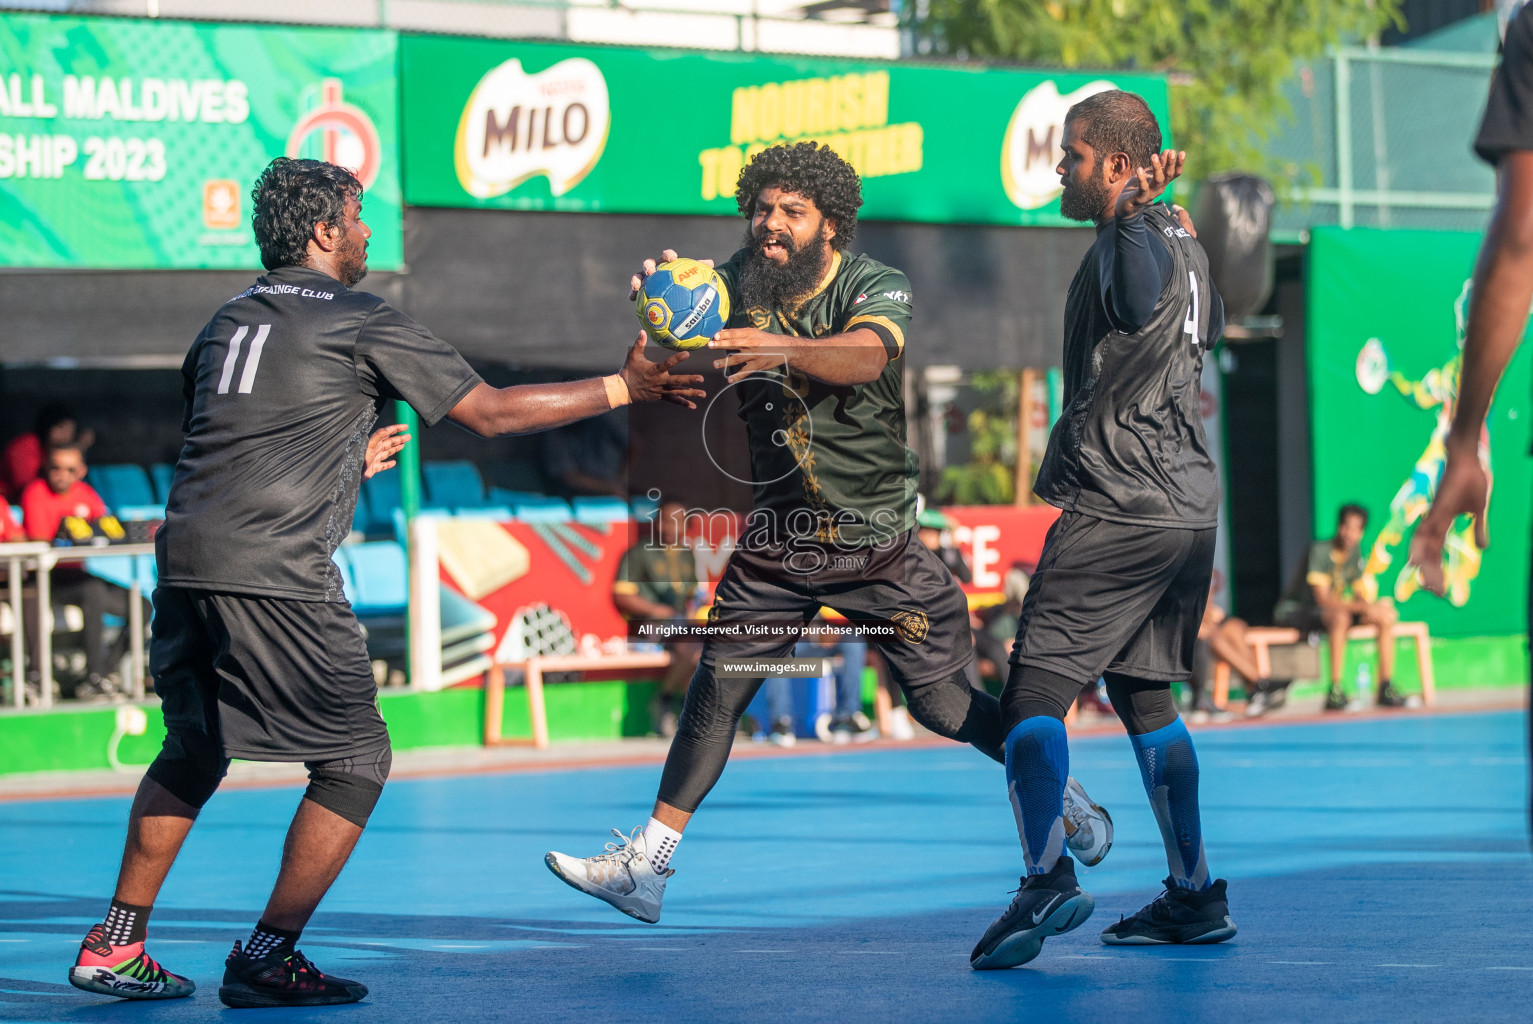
x=124 y=971
x=283 y=977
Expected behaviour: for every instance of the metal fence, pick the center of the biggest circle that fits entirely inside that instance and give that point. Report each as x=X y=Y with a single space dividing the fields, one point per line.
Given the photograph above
x=1382 y=137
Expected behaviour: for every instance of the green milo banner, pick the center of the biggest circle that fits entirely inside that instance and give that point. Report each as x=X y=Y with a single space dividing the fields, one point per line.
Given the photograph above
x=1385 y=340
x=531 y=126
x=133 y=144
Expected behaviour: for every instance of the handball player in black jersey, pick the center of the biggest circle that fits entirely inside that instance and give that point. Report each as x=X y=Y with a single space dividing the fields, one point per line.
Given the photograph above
x=255 y=651
x=1124 y=575
x=815 y=348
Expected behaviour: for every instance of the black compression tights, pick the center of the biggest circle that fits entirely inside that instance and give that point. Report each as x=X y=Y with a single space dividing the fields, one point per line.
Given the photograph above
x=947 y=706
x=1143 y=705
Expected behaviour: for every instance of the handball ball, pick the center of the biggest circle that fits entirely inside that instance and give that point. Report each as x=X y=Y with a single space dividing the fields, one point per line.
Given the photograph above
x=683 y=304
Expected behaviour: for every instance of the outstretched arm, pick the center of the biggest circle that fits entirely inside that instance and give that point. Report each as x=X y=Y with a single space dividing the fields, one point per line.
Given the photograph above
x=855 y=357
x=525 y=408
x=1498 y=312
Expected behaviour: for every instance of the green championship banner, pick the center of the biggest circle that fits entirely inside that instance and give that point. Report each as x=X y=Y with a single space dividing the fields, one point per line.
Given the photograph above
x=531 y=126
x=134 y=144
x=1385 y=342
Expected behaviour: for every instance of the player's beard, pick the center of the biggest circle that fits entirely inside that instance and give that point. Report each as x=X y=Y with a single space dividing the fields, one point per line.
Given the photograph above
x=765 y=284
x=351 y=258
x=1087 y=200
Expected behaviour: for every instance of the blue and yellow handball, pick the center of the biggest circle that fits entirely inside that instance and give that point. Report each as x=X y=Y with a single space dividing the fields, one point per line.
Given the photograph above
x=683 y=304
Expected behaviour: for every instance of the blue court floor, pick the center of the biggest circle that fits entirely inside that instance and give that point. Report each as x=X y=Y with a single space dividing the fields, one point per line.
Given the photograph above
x=1379 y=871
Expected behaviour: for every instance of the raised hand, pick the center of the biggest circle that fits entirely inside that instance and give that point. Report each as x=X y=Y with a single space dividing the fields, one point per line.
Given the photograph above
x=1148 y=183
x=1463 y=490
x=382 y=446
x=648 y=267
x=654 y=382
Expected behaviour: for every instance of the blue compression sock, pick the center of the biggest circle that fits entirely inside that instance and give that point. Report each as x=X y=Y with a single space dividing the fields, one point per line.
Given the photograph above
x=1037 y=765
x=1169 y=767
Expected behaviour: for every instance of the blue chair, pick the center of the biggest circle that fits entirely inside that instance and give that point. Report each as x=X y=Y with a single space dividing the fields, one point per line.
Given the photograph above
x=122 y=484
x=379 y=578
x=501 y=496
x=343 y=563
x=499 y=513
x=162 y=473
x=124 y=570
x=600 y=511
x=543 y=510
x=452 y=484
x=361 y=517
x=383 y=498
x=644 y=508
x=138 y=513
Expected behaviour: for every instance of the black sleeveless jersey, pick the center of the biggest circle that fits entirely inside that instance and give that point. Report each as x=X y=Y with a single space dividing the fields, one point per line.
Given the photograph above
x=1129 y=446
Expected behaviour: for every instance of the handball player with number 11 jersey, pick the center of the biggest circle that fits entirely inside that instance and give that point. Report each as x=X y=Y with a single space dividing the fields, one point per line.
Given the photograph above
x=255 y=651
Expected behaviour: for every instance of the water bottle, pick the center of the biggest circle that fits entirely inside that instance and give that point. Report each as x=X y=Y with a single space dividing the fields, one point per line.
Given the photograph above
x=1364 y=683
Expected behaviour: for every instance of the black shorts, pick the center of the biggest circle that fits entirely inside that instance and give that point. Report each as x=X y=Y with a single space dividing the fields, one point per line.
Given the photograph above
x=901 y=581
x=1109 y=597
x=262 y=678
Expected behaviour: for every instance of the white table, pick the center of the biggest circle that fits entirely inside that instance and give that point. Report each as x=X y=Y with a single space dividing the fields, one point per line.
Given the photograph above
x=43 y=557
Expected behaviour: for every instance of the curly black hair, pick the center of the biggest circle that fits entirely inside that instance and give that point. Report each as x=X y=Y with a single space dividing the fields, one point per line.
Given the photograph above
x=814 y=171
x=290 y=197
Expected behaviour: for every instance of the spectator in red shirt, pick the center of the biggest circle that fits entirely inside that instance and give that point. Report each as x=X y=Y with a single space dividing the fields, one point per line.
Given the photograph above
x=23 y=459
x=61 y=492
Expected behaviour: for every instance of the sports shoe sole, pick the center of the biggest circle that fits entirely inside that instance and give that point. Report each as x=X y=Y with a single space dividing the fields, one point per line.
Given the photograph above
x=243 y=997
x=1020 y=947
x=636 y=909
x=1217 y=932
x=1078 y=792
x=107 y=982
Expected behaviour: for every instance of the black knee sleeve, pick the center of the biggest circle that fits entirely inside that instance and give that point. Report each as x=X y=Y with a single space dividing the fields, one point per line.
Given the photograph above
x=1143 y=705
x=951 y=707
x=350 y=786
x=704 y=734
x=1032 y=691
x=191 y=780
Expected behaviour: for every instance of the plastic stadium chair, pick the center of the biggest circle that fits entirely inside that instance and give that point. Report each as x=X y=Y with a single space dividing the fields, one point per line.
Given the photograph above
x=379 y=577
x=498 y=513
x=121 y=484
x=382 y=499
x=543 y=510
x=644 y=508
x=597 y=511
x=362 y=517
x=501 y=496
x=162 y=473
x=139 y=513
x=452 y=484
x=343 y=563
x=124 y=569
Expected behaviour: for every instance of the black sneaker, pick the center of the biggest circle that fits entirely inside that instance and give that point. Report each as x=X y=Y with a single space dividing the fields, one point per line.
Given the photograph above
x=1336 y=700
x=283 y=977
x=1045 y=905
x=1176 y=916
x=1389 y=697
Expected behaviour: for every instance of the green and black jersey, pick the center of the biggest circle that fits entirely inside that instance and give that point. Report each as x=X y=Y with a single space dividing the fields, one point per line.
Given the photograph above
x=830 y=462
x=664 y=575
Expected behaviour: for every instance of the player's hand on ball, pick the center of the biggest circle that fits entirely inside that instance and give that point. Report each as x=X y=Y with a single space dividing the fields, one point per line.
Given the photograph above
x=1148 y=183
x=654 y=382
x=1463 y=490
x=758 y=350
x=637 y=281
x=382 y=446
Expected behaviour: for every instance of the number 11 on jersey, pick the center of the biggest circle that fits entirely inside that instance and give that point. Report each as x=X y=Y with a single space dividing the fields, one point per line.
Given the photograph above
x=252 y=360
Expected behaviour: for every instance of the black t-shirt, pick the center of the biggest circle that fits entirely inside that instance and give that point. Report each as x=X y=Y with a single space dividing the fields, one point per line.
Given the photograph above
x=1508 y=121
x=1130 y=446
x=282 y=389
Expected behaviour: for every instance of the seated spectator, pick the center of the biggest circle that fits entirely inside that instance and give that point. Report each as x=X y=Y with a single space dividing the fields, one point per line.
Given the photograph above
x=657 y=579
x=847 y=722
x=1330 y=593
x=587 y=458
x=62 y=491
x=935 y=531
x=1222 y=638
x=997 y=629
x=22 y=461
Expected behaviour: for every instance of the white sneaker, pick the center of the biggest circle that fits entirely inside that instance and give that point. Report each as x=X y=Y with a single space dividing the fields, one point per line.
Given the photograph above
x=1088 y=826
x=899 y=724
x=623 y=876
